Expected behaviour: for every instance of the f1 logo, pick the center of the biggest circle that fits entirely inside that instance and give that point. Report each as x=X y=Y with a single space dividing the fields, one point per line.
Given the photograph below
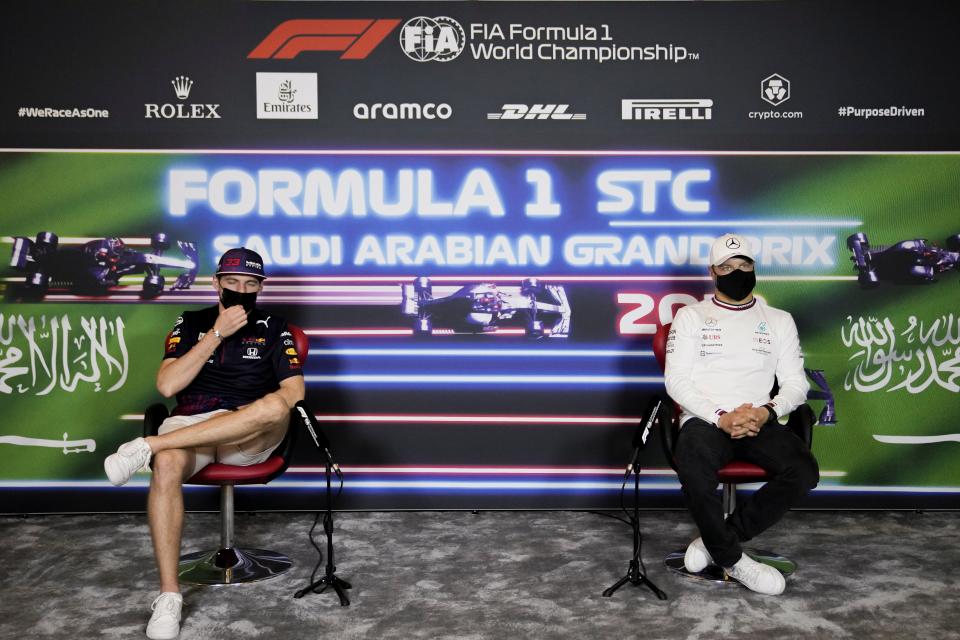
x=356 y=38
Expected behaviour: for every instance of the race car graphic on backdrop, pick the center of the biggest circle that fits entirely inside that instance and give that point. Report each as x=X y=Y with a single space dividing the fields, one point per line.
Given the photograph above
x=905 y=262
x=96 y=266
x=828 y=415
x=542 y=310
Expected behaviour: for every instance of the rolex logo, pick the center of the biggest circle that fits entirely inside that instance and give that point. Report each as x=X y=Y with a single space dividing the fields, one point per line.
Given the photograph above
x=182 y=86
x=181 y=110
x=287 y=92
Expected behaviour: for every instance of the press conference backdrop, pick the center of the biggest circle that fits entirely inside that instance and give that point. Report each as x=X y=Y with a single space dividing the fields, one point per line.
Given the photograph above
x=479 y=213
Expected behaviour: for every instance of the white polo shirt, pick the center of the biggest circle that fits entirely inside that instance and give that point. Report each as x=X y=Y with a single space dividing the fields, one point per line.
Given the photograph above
x=720 y=356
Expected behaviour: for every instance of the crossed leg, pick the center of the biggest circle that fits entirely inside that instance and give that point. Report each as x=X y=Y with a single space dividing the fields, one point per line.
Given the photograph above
x=252 y=429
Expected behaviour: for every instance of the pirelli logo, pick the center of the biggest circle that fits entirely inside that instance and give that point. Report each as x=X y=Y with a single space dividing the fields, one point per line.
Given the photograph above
x=355 y=38
x=667 y=109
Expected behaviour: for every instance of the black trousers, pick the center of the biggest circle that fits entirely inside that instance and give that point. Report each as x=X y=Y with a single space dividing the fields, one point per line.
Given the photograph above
x=702 y=449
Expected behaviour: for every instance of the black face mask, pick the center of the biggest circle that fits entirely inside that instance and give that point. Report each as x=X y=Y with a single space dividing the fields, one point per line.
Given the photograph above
x=737 y=284
x=229 y=298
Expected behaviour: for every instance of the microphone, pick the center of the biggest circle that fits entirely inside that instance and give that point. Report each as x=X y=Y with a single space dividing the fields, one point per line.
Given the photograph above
x=319 y=439
x=643 y=431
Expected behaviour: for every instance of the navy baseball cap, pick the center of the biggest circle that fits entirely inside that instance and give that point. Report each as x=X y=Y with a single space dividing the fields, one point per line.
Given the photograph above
x=241 y=261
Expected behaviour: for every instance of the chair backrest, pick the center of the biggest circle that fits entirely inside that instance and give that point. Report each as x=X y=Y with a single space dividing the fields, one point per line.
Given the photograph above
x=669 y=425
x=660 y=345
x=300 y=342
x=285 y=449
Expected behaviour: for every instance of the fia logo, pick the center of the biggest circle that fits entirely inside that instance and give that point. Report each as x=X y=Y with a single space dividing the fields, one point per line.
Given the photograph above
x=437 y=39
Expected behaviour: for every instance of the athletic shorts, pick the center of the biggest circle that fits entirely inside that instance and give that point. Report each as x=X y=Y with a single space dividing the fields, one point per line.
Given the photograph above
x=226 y=453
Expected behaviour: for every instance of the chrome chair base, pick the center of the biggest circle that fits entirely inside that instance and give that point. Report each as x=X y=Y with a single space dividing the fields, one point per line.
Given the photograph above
x=232 y=566
x=716 y=575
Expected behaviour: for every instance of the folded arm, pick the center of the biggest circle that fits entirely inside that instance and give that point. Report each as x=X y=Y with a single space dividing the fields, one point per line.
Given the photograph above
x=176 y=373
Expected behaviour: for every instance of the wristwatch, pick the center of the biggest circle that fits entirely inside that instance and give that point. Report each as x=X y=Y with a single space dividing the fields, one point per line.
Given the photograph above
x=217 y=334
x=772 y=412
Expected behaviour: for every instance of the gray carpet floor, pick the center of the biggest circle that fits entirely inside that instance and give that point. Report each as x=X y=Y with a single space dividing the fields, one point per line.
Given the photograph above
x=488 y=575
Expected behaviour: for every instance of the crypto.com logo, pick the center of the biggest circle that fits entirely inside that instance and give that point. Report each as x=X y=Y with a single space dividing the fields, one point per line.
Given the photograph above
x=775 y=89
x=356 y=38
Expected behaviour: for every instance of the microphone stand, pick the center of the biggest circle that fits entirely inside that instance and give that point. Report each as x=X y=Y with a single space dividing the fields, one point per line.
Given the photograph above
x=635 y=576
x=329 y=578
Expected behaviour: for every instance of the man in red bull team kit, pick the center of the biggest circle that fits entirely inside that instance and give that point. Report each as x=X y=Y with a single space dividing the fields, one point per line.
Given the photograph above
x=236 y=375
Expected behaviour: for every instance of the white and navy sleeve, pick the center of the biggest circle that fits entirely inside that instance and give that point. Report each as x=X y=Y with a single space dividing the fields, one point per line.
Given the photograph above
x=681 y=356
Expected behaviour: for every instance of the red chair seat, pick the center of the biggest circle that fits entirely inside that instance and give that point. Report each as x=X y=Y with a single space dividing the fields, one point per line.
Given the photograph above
x=221 y=474
x=737 y=472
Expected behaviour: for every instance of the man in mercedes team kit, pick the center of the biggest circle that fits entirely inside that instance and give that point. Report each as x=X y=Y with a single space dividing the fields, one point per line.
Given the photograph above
x=236 y=376
x=722 y=357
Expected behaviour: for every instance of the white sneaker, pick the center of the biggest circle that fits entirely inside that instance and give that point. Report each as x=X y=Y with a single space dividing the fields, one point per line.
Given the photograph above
x=165 y=622
x=697 y=558
x=757 y=576
x=129 y=458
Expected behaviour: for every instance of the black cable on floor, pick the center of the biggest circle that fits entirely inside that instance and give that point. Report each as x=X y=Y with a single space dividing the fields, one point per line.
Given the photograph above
x=610 y=515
